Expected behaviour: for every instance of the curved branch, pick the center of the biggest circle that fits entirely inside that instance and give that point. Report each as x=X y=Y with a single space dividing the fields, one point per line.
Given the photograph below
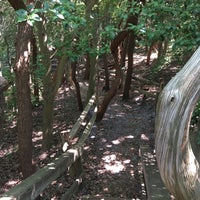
x=118 y=75
x=118 y=39
x=177 y=164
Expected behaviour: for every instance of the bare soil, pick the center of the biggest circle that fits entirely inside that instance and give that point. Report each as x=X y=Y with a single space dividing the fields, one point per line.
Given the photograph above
x=112 y=162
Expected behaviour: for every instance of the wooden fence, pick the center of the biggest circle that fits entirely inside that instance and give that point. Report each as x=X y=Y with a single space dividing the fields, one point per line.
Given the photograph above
x=34 y=185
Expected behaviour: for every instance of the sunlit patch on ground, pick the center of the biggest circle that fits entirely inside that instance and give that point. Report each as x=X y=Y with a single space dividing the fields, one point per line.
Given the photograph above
x=12 y=182
x=43 y=156
x=112 y=164
x=122 y=139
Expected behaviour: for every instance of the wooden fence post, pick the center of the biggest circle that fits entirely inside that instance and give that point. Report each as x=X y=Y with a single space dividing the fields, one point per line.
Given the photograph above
x=178 y=166
x=34 y=185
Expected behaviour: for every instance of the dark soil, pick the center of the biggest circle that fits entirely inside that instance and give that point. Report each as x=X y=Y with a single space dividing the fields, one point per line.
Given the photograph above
x=111 y=162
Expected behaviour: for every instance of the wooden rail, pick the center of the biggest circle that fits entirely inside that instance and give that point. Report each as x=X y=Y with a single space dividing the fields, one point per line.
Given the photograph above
x=155 y=188
x=34 y=185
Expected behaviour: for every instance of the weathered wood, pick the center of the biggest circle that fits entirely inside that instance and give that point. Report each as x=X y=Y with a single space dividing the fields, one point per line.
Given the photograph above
x=31 y=187
x=76 y=167
x=82 y=117
x=154 y=185
x=178 y=166
x=75 y=188
x=88 y=128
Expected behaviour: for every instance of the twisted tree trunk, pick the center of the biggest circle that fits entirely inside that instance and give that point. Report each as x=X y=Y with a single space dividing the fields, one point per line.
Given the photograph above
x=178 y=166
x=118 y=75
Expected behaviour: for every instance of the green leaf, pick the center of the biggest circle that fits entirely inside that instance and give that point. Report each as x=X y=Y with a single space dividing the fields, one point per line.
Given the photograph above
x=30 y=7
x=22 y=15
x=35 y=17
x=60 y=16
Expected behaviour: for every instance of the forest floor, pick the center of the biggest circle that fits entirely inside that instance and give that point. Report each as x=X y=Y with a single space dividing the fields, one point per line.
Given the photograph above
x=111 y=161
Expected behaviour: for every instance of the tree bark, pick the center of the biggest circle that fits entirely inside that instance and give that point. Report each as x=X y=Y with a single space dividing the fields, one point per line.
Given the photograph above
x=49 y=92
x=76 y=83
x=106 y=72
x=128 y=80
x=118 y=75
x=47 y=88
x=92 y=78
x=93 y=42
x=34 y=68
x=51 y=83
x=132 y=19
x=3 y=86
x=24 y=117
x=178 y=166
x=17 y=4
x=87 y=67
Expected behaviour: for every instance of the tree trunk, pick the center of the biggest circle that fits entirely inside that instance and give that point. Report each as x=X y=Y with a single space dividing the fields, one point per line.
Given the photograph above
x=24 y=117
x=132 y=19
x=123 y=60
x=51 y=83
x=78 y=92
x=34 y=68
x=87 y=67
x=107 y=81
x=93 y=57
x=111 y=93
x=92 y=78
x=3 y=86
x=49 y=92
x=118 y=75
x=178 y=166
x=2 y=105
x=131 y=47
x=149 y=51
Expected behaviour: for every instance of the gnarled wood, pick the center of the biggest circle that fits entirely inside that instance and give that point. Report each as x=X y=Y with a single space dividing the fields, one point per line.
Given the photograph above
x=118 y=75
x=178 y=166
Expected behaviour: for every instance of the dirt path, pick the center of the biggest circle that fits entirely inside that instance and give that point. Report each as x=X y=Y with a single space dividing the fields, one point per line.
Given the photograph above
x=111 y=161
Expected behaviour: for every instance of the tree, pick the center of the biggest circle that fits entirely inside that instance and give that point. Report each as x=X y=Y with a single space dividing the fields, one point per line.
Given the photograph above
x=91 y=15
x=178 y=166
x=3 y=85
x=118 y=75
x=170 y=22
x=77 y=86
x=22 y=67
x=131 y=21
x=63 y=41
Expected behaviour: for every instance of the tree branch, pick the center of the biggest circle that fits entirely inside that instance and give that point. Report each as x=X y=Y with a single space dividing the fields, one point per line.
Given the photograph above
x=19 y=4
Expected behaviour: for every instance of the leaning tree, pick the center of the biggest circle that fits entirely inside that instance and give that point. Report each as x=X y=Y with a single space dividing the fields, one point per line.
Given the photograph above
x=177 y=163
